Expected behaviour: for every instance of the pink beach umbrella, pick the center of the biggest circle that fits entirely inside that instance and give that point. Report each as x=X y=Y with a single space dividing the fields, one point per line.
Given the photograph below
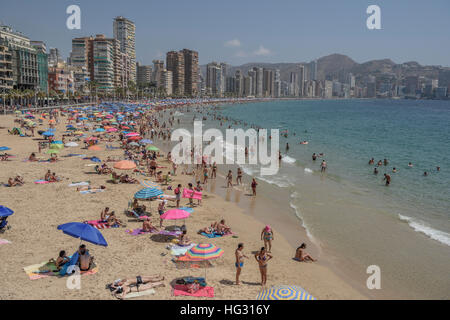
x=175 y=214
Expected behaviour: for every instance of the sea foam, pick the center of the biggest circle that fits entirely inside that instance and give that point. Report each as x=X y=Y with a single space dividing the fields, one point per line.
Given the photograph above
x=419 y=226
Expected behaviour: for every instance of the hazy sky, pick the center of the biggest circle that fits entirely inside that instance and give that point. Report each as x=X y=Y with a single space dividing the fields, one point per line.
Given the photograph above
x=240 y=31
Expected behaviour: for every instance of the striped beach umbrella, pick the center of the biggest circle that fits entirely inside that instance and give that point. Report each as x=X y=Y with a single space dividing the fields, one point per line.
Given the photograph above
x=204 y=251
x=284 y=292
x=148 y=193
x=150 y=184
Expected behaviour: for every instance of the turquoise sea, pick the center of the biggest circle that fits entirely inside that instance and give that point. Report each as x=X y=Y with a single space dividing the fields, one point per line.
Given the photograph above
x=348 y=212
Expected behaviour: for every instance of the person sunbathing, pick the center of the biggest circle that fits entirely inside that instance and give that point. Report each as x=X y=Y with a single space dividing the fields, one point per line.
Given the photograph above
x=208 y=230
x=105 y=169
x=113 y=220
x=138 y=208
x=18 y=179
x=127 y=287
x=85 y=188
x=104 y=215
x=147 y=225
x=32 y=157
x=222 y=228
x=302 y=256
x=127 y=179
x=54 y=178
x=47 y=176
x=12 y=182
x=61 y=260
x=184 y=239
x=53 y=158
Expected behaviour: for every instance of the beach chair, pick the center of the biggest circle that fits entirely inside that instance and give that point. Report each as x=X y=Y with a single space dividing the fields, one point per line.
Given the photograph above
x=130 y=212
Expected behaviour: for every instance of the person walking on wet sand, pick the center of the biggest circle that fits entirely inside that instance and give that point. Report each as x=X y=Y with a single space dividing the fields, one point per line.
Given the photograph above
x=254 y=184
x=229 y=179
x=239 y=261
x=387 y=178
x=262 y=258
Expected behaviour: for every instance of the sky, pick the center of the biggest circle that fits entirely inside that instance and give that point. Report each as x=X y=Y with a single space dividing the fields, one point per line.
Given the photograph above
x=242 y=31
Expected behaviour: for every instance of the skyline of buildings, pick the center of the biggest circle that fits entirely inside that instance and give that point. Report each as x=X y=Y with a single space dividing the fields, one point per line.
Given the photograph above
x=111 y=63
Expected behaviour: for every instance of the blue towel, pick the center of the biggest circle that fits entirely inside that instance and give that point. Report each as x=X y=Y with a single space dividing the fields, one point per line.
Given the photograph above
x=211 y=235
x=73 y=261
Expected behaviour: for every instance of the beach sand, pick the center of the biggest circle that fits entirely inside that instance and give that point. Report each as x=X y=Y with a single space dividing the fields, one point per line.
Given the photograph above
x=39 y=209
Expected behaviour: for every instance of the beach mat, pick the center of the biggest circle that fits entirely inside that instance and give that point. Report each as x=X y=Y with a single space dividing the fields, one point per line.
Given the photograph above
x=181 y=290
x=4 y=241
x=79 y=184
x=48 y=269
x=91 y=191
x=215 y=235
x=99 y=224
x=140 y=294
x=43 y=182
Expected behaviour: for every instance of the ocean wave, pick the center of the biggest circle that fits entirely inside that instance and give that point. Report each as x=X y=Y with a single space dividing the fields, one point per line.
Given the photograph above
x=288 y=159
x=441 y=236
x=308 y=170
x=299 y=215
x=295 y=194
x=282 y=182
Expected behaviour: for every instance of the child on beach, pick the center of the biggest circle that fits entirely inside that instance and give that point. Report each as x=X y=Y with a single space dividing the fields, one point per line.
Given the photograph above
x=239 y=261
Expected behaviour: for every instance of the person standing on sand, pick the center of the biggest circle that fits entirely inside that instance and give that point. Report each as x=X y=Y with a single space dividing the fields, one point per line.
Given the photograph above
x=262 y=258
x=239 y=263
x=214 y=171
x=239 y=176
x=177 y=192
x=267 y=236
x=254 y=184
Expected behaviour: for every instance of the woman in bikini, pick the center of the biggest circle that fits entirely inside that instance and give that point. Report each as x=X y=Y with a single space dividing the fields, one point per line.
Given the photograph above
x=214 y=171
x=229 y=179
x=239 y=176
x=120 y=288
x=262 y=258
x=239 y=261
x=302 y=256
x=267 y=236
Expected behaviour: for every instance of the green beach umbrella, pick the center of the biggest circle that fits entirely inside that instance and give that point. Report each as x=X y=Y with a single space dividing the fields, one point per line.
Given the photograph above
x=56 y=146
x=52 y=151
x=152 y=148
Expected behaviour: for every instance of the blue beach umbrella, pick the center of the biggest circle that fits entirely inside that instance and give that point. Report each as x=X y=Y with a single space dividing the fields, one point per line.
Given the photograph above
x=48 y=133
x=5 y=211
x=4 y=148
x=84 y=232
x=148 y=193
x=145 y=141
x=283 y=292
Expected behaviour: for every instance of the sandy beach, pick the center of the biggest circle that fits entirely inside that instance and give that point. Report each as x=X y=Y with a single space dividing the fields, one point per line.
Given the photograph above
x=39 y=209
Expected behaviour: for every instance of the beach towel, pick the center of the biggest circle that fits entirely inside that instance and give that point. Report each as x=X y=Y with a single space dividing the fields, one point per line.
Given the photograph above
x=181 y=290
x=170 y=233
x=192 y=194
x=48 y=269
x=91 y=191
x=215 y=235
x=43 y=182
x=100 y=224
x=139 y=294
x=177 y=250
x=4 y=241
x=76 y=184
x=139 y=231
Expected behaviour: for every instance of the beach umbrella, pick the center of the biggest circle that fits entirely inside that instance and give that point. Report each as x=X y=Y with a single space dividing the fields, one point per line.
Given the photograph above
x=5 y=211
x=99 y=130
x=83 y=231
x=125 y=165
x=94 y=148
x=71 y=144
x=4 y=148
x=150 y=184
x=48 y=133
x=132 y=134
x=135 y=138
x=204 y=251
x=175 y=214
x=148 y=193
x=284 y=292
x=134 y=144
x=56 y=146
x=152 y=148
x=52 y=151
x=145 y=141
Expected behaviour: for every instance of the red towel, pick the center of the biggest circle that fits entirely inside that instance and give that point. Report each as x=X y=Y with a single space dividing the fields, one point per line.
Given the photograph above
x=99 y=224
x=181 y=290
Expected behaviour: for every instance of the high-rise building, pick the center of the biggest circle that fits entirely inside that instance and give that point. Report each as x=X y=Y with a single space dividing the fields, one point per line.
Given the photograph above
x=294 y=84
x=158 y=68
x=238 y=83
x=23 y=59
x=215 y=81
x=144 y=75
x=268 y=82
x=42 y=64
x=125 y=32
x=248 y=82
x=167 y=81
x=276 y=84
x=191 y=72
x=313 y=70
x=252 y=75
x=106 y=63
x=6 y=71
x=54 y=57
x=175 y=63
x=82 y=55
x=328 y=89
x=259 y=82
x=301 y=80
